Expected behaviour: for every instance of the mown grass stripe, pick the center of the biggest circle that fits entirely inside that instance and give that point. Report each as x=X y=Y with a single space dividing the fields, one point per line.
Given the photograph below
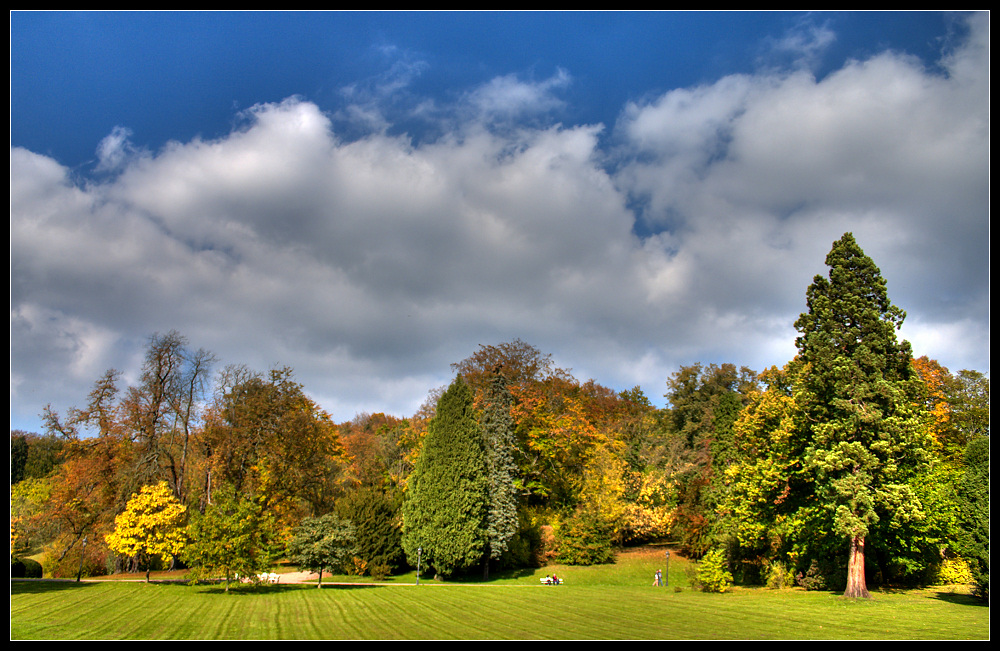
x=140 y=611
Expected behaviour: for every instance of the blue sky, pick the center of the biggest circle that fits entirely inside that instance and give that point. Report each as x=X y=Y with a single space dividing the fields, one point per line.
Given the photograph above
x=368 y=197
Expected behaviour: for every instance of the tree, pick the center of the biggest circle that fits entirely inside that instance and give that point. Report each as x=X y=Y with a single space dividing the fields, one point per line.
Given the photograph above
x=161 y=411
x=520 y=363
x=33 y=456
x=860 y=395
x=377 y=535
x=974 y=516
x=151 y=525
x=447 y=499
x=326 y=542
x=498 y=430
x=235 y=537
x=767 y=499
x=265 y=437
x=704 y=404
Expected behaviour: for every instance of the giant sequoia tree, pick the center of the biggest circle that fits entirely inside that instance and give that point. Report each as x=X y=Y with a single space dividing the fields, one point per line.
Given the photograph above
x=858 y=392
x=446 y=507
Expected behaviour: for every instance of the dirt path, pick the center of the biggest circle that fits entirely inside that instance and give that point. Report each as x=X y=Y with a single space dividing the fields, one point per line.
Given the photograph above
x=298 y=577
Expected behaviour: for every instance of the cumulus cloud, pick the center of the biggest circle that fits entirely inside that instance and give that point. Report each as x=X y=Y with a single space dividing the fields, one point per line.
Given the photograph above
x=115 y=149
x=369 y=264
x=756 y=175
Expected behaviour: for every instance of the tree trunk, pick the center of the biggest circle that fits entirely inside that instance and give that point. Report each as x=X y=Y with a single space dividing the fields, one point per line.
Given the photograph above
x=856 y=570
x=319 y=581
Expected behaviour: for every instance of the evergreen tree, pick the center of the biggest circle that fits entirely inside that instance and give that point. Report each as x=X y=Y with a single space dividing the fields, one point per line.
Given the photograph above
x=498 y=432
x=859 y=394
x=974 y=516
x=375 y=515
x=447 y=500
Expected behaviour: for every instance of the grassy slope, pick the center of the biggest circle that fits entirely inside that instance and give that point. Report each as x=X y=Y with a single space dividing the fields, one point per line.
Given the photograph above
x=609 y=602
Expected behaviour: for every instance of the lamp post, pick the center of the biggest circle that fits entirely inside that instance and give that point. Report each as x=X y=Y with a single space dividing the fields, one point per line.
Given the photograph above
x=666 y=572
x=418 y=565
x=83 y=549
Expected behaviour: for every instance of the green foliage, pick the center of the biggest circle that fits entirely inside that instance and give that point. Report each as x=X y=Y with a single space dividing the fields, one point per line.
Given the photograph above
x=779 y=576
x=34 y=456
x=323 y=543
x=584 y=539
x=236 y=536
x=29 y=527
x=526 y=548
x=500 y=445
x=445 y=509
x=377 y=533
x=705 y=404
x=813 y=578
x=713 y=572
x=861 y=396
x=974 y=513
x=953 y=571
x=25 y=568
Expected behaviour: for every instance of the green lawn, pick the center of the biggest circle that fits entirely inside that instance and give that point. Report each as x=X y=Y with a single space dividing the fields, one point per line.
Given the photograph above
x=608 y=602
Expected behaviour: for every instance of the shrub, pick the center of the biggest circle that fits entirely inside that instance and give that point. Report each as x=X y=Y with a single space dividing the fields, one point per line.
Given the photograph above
x=584 y=539
x=713 y=574
x=779 y=576
x=25 y=568
x=379 y=571
x=953 y=571
x=813 y=578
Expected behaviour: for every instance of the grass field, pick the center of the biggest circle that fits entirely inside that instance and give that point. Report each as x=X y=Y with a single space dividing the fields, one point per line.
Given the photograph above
x=607 y=602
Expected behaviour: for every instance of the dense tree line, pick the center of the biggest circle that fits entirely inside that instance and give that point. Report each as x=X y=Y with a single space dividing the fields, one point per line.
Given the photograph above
x=853 y=464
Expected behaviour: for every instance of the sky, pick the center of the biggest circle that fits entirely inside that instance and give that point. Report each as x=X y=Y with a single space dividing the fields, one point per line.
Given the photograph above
x=368 y=198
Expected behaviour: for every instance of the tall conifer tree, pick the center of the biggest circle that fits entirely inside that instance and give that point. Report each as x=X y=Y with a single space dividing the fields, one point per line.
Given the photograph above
x=447 y=499
x=858 y=393
x=498 y=430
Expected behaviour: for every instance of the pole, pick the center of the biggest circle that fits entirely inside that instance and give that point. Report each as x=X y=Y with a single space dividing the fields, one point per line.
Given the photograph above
x=666 y=572
x=83 y=549
x=418 y=565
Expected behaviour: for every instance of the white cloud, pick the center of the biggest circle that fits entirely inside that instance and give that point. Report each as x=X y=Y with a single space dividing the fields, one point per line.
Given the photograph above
x=370 y=264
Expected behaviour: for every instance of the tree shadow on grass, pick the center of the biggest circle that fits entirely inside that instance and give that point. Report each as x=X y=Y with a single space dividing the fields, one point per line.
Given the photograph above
x=249 y=590
x=41 y=586
x=961 y=599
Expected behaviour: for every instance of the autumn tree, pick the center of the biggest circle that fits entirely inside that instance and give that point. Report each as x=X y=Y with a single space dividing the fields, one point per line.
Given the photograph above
x=518 y=362
x=152 y=525
x=447 y=498
x=264 y=436
x=859 y=393
x=161 y=411
x=768 y=509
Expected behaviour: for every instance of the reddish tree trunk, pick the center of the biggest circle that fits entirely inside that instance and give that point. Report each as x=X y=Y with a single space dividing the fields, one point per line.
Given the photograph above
x=856 y=569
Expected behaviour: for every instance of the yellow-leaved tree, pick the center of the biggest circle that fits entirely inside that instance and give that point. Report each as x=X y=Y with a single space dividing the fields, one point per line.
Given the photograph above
x=151 y=525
